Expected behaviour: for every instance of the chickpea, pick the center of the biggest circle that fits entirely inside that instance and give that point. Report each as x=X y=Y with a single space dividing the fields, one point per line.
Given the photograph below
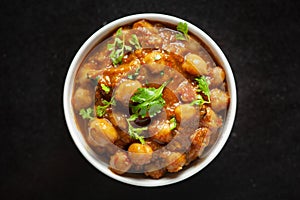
x=184 y=112
x=140 y=154
x=125 y=90
x=195 y=65
x=101 y=132
x=82 y=99
x=219 y=99
x=217 y=75
x=82 y=77
x=83 y=74
x=120 y=162
x=163 y=133
x=186 y=91
x=118 y=119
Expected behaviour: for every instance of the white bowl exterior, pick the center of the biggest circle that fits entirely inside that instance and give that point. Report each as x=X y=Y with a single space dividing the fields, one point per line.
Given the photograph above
x=77 y=136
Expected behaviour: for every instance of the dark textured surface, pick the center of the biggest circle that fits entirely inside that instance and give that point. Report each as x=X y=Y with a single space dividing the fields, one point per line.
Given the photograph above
x=38 y=159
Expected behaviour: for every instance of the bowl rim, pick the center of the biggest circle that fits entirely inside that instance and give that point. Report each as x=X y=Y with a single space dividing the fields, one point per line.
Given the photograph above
x=85 y=49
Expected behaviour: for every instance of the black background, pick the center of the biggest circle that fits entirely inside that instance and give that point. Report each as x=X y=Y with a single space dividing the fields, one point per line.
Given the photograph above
x=38 y=42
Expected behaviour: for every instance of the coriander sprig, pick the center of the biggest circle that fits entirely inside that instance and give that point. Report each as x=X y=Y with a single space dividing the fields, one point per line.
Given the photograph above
x=105 y=88
x=101 y=110
x=183 y=28
x=86 y=114
x=148 y=101
x=118 y=47
x=203 y=87
x=173 y=123
x=145 y=101
x=135 y=41
x=135 y=132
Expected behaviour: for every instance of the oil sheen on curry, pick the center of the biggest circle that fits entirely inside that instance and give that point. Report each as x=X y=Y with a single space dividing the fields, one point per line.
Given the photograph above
x=150 y=99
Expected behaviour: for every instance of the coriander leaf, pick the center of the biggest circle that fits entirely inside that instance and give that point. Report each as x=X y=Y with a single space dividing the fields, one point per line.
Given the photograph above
x=110 y=47
x=135 y=132
x=180 y=36
x=135 y=41
x=183 y=28
x=203 y=86
x=173 y=123
x=105 y=88
x=133 y=117
x=143 y=94
x=117 y=48
x=119 y=42
x=148 y=100
x=199 y=101
x=156 y=108
x=86 y=114
x=119 y=32
x=128 y=48
x=101 y=110
x=130 y=76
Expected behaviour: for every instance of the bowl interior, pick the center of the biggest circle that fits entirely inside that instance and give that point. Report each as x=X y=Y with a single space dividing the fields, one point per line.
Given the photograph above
x=84 y=148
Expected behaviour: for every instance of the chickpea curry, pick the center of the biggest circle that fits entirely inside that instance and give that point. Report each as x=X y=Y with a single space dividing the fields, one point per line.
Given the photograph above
x=150 y=99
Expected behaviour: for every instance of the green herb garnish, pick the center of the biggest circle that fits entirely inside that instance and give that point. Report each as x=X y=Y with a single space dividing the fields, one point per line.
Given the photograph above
x=117 y=48
x=203 y=87
x=87 y=114
x=173 y=123
x=135 y=41
x=105 y=88
x=183 y=28
x=101 y=110
x=135 y=132
x=136 y=73
x=148 y=100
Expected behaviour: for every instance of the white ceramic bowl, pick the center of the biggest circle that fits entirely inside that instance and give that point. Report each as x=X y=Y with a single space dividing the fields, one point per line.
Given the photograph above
x=80 y=142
